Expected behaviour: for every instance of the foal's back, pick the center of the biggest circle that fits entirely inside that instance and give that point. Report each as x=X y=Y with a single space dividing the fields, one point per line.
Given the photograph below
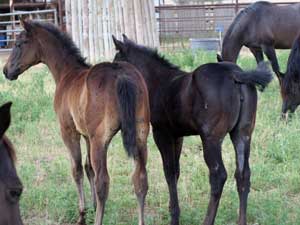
x=88 y=97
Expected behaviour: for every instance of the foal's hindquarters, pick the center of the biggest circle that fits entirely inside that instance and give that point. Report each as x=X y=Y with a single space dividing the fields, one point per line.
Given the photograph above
x=105 y=99
x=231 y=109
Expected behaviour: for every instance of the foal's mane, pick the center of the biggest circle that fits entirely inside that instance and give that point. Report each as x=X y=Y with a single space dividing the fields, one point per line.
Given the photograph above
x=69 y=46
x=292 y=76
x=152 y=53
x=10 y=148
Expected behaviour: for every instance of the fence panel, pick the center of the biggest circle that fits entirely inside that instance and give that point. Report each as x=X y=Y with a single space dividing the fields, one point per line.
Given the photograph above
x=177 y=24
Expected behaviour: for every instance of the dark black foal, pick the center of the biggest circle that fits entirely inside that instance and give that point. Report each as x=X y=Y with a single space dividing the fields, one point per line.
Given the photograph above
x=214 y=100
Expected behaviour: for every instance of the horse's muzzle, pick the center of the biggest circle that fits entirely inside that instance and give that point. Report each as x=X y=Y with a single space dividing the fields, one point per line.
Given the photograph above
x=11 y=75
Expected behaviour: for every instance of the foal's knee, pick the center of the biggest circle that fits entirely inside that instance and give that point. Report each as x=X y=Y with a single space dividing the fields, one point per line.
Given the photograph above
x=77 y=172
x=88 y=168
x=102 y=187
x=140 y=182
x=217 y=180
x=243 y=180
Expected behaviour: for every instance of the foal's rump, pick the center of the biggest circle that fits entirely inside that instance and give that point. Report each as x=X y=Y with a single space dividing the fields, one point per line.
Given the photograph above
x=228 y=74
x=222 y=86
x=119 y=98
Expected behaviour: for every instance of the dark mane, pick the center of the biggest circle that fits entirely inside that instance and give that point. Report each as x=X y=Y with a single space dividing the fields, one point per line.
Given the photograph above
x=291 y=81
x=69 y=46
x=153 y=53
x=10 y=148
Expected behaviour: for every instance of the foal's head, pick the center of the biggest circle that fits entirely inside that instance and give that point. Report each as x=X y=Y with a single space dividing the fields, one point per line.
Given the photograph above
x=124 y=52
x=10 y=184
x=25 y=53
x=41 y=42
x=290 y=81
x=139 y=55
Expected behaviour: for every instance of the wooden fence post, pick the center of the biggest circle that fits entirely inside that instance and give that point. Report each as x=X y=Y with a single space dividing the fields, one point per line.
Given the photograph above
x=92 y=22
x=68 y=16
x=85 y=29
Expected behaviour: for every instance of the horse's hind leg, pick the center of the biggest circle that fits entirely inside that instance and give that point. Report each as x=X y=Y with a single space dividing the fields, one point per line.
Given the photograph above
x=241 y=143
x=258 y=54
x=271 y=54
x=217 y=175
x=139 y=177
x=99 y=144
x=71 y=139
x=90 y=172
x=241 y=138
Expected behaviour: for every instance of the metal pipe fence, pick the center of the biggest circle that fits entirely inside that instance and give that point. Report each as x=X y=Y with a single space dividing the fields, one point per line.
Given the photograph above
x=10 y=24
x=178 y=24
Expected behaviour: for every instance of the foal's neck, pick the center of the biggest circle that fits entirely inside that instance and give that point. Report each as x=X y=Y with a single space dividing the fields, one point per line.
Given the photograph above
x=162 y=75
x=60 y=62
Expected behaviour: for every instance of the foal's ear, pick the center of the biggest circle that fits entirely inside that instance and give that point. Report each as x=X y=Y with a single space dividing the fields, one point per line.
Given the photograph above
x=125 y=38
x=26 y=24
x=219 y=58
x=118 y=44
x=4 y=117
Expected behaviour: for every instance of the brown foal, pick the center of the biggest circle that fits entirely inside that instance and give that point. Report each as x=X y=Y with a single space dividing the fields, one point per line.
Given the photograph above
x=90 y=101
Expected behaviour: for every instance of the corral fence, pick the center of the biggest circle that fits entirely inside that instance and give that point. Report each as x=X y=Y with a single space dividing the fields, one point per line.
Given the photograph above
x=180 y=26
x=10 y=24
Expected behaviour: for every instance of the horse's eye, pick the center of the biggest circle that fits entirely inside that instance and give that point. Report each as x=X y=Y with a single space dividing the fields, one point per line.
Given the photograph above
x=14 y=194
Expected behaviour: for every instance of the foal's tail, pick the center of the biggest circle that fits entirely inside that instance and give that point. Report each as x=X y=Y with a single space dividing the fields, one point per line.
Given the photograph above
x=260 y=77
x=126 y=91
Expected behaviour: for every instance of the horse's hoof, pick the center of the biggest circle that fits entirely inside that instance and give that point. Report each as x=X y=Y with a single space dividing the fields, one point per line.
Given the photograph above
x=174 y=223
x=81 y=221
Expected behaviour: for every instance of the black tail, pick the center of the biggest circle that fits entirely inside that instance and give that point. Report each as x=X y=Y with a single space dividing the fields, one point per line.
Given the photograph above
x=126 y=91
x=260 y=77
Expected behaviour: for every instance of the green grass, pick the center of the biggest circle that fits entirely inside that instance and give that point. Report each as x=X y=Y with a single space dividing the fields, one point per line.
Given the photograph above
x=50 y=196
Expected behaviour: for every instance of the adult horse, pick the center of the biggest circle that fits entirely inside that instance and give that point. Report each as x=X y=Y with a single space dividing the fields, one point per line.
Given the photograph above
x=290 y=81
x=214 y=100
x=10 y=184
x=262 y=27
x=90 y=101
